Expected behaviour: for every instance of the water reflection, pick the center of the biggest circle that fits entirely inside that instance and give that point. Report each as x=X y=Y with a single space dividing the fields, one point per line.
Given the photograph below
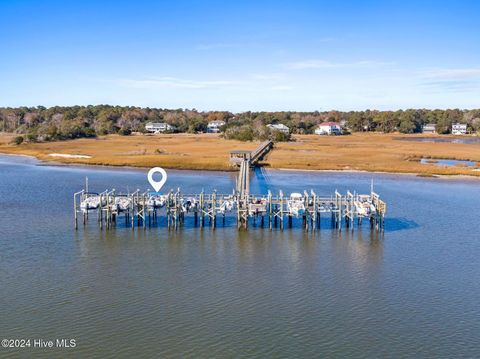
x=399 y=224
x=213 y=293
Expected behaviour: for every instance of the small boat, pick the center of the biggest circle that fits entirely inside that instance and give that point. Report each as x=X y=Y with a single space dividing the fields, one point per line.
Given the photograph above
x=226 y=206
x=90 y=203
x=364 y=207
x=189 y=204
x=122 y=203
x=296 y=205
x=257 y=206
x=156 y=201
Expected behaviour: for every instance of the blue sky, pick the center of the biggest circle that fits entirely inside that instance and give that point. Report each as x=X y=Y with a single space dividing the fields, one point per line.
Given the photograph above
x=239 y=56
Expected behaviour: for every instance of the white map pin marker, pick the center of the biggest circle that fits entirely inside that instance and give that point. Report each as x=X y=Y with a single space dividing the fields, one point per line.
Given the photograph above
x=157 y=185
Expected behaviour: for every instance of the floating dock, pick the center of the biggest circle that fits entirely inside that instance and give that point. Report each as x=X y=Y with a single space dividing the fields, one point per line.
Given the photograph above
x=143 y=210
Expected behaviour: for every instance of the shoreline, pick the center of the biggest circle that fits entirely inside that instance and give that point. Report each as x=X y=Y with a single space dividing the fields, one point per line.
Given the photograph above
x=52 y=163
x=410 y=174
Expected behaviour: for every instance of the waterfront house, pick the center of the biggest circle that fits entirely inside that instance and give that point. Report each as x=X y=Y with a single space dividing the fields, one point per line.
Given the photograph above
x=158 y=127
x=429 y=128
x=328 y=128
x=279 y=127
x=214 y=126
x=459 y=129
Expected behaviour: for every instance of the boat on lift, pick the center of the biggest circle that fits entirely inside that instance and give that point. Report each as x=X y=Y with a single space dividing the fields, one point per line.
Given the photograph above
x=364 y=206
x=296 y=205
x=122 y=204
x=92 y=202
x=156 y=201
x=257 y=207
x=189 y=204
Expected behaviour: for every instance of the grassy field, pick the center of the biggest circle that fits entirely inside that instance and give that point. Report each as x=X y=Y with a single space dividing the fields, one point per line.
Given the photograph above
x=372 y=152
x=180 y=151
x=363 y=152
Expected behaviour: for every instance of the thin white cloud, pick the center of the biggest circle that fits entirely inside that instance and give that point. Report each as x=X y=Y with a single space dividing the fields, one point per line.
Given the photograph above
x=463 y=86
x=461 y=80
x=173 y=82
x=469 y=73
x=253 y=82
x=323 y=64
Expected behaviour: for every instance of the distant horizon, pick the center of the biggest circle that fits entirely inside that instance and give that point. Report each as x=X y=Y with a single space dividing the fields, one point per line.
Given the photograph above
x=236 y=112
x=242 y=56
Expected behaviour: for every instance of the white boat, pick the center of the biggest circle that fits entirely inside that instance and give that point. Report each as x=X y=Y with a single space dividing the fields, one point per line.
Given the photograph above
x=156 y=201
x=226 y=206
x=364 y=207
x=296 y=205
x=122 y=203
x=90 y=203
x=257 y=207
x=188 y=204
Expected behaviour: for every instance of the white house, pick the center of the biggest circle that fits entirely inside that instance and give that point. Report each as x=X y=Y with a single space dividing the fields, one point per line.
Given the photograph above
x=279 y=127
x=214 y=126
x=328 y=128
x=459 y=129
x=158 y=127
x=429 y=128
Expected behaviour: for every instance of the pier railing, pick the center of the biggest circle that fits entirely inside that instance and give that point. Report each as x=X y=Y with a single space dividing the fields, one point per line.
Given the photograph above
x=237 y=157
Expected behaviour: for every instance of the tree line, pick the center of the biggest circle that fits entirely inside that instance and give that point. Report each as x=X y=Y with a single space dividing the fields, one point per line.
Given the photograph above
x=68 y=122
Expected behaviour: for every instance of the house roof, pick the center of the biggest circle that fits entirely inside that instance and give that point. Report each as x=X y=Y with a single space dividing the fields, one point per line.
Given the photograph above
x=277 y=125
x=157 y=124
x=329 y=124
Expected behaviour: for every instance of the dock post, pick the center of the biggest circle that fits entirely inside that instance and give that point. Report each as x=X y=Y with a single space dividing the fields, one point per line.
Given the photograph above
x=340 y=213
x=247 y=202
x=307 y=209
x=315 y=211
x=237 y=200
x=107 y=211
x=143 y=211
x=100 y=211
x=132 y=206
x=270 y=210
x=281 y=210
x=75 y=209
x=214 y=208
x=338 y=210
x=175 y=210
x=202 y=204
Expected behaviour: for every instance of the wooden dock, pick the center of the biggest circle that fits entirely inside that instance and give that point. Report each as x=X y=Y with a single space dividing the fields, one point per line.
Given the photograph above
x=209 y=209
x=238 y=156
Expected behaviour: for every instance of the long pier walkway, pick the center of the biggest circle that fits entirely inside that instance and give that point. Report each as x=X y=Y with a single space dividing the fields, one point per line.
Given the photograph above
x=237 y=157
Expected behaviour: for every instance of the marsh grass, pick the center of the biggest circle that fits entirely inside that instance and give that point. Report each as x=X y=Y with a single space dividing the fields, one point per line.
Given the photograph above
x=373 y=152
x=180 y=151
x=359 y=151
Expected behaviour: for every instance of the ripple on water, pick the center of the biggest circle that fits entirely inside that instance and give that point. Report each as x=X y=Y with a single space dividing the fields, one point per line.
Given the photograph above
x=410 y=292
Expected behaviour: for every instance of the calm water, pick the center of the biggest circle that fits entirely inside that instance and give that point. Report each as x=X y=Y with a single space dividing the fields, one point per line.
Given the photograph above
x=448 y=163
x=461 y=140
x=412 y=292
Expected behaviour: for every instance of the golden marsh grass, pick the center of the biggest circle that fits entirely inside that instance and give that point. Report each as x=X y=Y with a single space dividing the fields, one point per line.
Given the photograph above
x=357 y=152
